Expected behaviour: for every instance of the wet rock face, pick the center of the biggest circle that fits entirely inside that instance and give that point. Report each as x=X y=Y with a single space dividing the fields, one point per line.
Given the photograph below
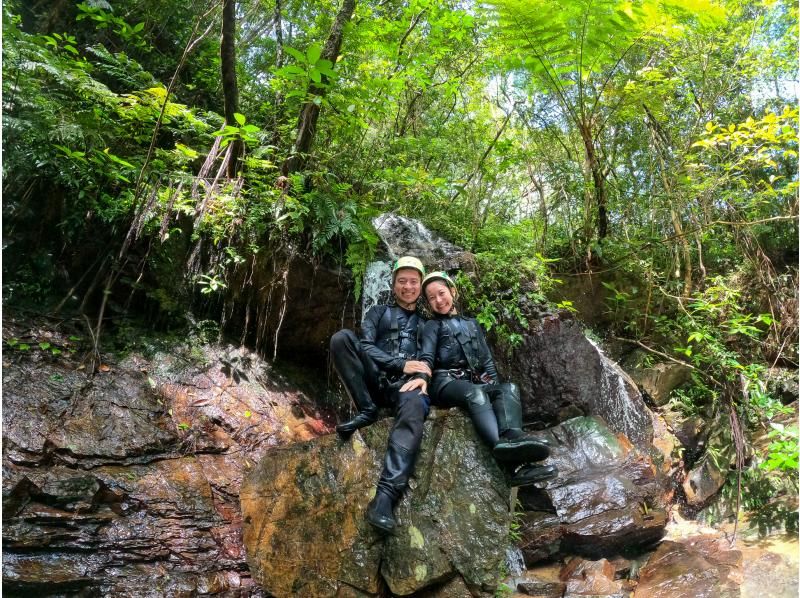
x=126 y=484
x=661 y=379
x=406 y=236
x=607 y=497
x=561 y=374
x=318 y=301
x=700 y=566
x=305 y=531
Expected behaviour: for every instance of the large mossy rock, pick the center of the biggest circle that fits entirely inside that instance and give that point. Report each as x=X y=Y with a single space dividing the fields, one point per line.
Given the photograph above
x=607 y=498
x=304 y=527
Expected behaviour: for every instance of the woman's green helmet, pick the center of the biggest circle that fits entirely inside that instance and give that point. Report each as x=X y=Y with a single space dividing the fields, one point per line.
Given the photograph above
x=438 y=275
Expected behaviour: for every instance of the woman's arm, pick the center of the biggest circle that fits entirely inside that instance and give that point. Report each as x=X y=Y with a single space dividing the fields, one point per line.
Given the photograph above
x=430 y=341
x=485 y=356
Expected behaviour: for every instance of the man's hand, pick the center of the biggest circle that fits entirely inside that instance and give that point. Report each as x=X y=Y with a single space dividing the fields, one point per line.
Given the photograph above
x=416 y=367
x=415 y=384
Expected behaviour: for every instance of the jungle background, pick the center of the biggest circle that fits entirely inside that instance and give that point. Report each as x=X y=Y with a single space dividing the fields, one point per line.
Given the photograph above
x=158 y=153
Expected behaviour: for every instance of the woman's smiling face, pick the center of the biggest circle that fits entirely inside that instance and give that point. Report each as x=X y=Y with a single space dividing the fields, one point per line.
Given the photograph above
x=439 y=296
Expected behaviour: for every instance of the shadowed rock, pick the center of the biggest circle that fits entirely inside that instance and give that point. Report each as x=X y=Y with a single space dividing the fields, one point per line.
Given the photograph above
x=562 y=374
x=127 y=483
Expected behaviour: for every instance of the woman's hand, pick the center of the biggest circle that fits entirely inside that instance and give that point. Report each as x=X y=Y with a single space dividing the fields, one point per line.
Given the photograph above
x=416 y=383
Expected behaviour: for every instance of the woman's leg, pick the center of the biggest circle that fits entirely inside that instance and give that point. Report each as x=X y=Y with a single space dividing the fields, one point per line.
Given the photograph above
x=472 y=396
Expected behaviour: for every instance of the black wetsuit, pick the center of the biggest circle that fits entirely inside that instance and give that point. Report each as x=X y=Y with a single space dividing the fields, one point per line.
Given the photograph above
x=464 y=374
x=389 y=338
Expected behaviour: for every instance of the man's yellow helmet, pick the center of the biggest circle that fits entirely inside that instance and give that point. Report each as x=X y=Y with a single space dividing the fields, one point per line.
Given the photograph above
x=408 y=261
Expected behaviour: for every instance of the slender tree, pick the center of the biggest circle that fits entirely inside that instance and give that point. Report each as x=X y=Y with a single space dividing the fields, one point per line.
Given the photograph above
x=309 y=113
x=230 y=90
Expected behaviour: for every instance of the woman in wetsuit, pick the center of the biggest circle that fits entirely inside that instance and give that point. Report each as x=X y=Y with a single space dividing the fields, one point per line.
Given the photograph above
x=464 y=375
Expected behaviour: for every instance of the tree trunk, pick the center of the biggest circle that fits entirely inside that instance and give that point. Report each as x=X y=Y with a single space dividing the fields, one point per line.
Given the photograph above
x=309 y=113
x=277 y=21
x=661 y=143
x=230 y=89
x=598 y=180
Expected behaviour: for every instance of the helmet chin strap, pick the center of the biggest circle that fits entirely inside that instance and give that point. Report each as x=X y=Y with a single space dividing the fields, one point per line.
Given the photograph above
x=405 y=305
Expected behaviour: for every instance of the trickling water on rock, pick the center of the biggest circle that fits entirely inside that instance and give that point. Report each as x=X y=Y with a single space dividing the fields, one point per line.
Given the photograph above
x=515 y=562
x=622 y=413
x=406 y=236
x=377 y=286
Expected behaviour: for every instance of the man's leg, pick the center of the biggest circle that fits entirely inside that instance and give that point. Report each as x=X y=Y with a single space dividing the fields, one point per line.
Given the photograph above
x=349 y=362
x=401 y=454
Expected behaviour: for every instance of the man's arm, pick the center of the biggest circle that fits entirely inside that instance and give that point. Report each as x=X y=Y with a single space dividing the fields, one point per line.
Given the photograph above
x=369 y=336
x=430 y=341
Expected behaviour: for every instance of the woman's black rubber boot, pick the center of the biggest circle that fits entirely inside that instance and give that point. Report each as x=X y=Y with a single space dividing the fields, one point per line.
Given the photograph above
x=514 y=445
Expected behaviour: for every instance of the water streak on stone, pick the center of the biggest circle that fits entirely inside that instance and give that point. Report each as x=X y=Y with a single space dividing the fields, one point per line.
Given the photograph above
x=377 y=285
x=515 y=562
x=621 y=415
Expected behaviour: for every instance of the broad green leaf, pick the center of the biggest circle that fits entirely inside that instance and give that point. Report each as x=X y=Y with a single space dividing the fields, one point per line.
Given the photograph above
x=296 y=54
x=313 y=53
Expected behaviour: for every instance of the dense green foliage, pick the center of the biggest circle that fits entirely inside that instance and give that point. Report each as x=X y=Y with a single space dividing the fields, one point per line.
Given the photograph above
x=651 y=143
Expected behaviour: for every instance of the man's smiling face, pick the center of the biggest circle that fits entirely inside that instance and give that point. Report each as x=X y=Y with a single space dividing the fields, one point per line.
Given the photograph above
x=407 y=286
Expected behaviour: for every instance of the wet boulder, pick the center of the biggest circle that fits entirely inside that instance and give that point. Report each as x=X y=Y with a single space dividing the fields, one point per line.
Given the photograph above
x=406 y=236
x=591 y=578
x=562 y=374
x=660 y=379
x=707 y=476
x=126 y=483
x=608 y=496
x=305 y=532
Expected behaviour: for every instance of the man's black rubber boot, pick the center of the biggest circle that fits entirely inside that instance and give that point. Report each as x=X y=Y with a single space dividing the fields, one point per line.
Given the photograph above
x=365 y=418
x=379 y=513
x=530 y=474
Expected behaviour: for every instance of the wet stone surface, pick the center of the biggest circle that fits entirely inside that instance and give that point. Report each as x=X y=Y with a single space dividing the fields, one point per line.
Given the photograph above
x=305 y=531
x=127 y=483
x=608 y=495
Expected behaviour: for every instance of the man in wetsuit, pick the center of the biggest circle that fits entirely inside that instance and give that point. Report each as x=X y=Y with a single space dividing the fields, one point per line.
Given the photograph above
x=373 y=368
